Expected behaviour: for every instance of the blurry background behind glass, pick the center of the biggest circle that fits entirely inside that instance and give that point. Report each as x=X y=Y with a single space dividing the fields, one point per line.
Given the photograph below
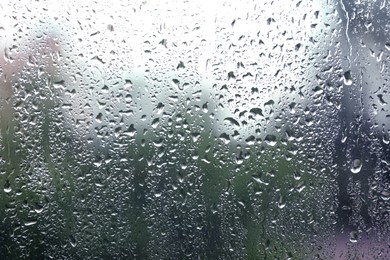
x=194 y=129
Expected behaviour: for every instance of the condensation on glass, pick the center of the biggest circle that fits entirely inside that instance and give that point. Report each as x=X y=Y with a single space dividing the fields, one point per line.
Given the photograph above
x=194 y=129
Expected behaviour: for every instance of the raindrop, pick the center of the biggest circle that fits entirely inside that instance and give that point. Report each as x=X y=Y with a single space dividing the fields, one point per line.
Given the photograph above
x=256 y=111
x=250 y=140
x=270 y=140
x=385 y=195
x=180 y=65
x=205 y=107
x=72 y=241
x=281 y=202
x=356 y=166
x=38 y=208
x=155 y=122
x=176 y=83
x=232 y=121
x=160 y=108
x=225 y=138
x=164 y=42
x=348 y=78
x=7 y=187
x=30 y=223
x=231 y=75
x=128 y=84
x=297 y=175
x=353 y=237
x=381 y=100
x=59 y=84
x=269 y=103
x=292 y=107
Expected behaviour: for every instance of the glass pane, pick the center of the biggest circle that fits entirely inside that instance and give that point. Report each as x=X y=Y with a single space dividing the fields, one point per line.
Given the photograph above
x=194 y=129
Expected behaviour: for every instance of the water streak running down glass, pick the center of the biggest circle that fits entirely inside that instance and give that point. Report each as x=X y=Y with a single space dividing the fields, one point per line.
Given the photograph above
x=194 y=129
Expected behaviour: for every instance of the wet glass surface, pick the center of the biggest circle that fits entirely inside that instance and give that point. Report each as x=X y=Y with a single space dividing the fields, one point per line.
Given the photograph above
x=194 y=130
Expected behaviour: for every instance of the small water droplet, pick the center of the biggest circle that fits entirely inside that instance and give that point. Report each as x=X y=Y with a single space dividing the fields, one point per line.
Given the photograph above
x=73 y=241
x=30 y=223
x=231 y=121
x=297 y=175
x=176 y=83
x=225 y=138
x=353 y=237
x=385 y=195
x=155 y=122
x=38 y=208
x=347 y=78
x=180 y=65
x=205 y=107
x=251 y=140
x=7 y=187
x=281 y=203
x=356 y=166
x=231 y=75
x=257 y=112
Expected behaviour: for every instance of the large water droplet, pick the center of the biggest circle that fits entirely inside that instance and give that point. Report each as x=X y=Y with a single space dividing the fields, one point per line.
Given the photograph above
x=270 y=140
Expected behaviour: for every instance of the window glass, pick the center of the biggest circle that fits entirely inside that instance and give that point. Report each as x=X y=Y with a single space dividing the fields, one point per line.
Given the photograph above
x=194 y=129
